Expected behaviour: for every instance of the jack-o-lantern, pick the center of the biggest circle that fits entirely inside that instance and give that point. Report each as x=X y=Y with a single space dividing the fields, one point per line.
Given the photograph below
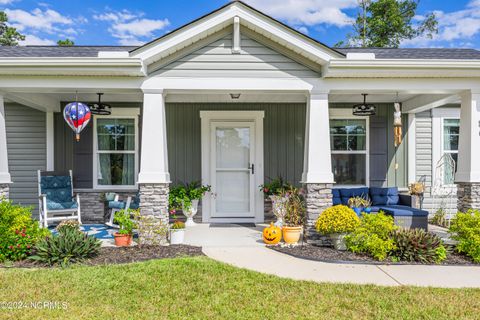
x=272 y=234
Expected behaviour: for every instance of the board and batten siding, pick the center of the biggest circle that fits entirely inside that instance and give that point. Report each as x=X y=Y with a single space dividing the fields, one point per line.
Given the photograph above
x=284 y=131
x=254 y=60
x=26 y=147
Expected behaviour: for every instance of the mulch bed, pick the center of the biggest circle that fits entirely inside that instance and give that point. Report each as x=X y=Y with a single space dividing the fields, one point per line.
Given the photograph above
x=119 y=255
x=326 y=254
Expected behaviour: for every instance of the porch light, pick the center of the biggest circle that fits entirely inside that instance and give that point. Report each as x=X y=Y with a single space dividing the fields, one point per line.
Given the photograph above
x=364 y=109
x=99 y=107
x=235 y=96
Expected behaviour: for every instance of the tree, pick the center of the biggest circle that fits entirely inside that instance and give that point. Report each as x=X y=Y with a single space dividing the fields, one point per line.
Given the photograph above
x=65 y=43
x=9 y=36
x=386 y=23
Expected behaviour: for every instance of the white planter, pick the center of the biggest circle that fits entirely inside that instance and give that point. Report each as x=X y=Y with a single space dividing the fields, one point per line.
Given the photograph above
x=177 y=236
x=190 y=213
x=338 y=241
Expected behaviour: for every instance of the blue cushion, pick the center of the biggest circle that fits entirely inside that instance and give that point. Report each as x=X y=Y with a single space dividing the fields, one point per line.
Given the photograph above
x=404 y=211
x=58 y=194
x=116 y=204
x=336 y=200
x=55 y=182
x=58 y=189
x=384 y=196
x=53 y=205
x=347 y=193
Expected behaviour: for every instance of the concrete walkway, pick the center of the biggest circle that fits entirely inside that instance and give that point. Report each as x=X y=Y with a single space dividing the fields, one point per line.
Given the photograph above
x=243 y=247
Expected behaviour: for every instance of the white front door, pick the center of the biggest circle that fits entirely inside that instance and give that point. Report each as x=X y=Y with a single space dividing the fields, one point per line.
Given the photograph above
x=232 y=162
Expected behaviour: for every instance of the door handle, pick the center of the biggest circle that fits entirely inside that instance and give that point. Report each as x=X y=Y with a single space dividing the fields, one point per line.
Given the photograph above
x=252 y=168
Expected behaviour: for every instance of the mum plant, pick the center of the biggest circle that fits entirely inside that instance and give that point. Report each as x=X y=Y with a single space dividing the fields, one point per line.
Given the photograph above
x=337 y=219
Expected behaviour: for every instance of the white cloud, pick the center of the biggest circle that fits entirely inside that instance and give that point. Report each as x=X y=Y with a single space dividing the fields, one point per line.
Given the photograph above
x=308 y=13
x=5 y=2
x=454 y=28
x=32 y=40
x=38 y=20
x=130 y=28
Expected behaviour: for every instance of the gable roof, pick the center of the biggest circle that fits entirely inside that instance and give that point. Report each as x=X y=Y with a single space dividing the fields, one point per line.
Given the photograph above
x=57 y=51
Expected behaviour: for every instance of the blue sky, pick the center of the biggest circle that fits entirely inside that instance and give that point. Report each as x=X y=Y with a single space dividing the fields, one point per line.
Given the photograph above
x=122 y=22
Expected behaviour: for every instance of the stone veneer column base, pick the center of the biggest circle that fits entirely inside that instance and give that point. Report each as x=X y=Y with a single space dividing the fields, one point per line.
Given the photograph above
x=153 y=222
x=4 y=191
x=468 y=194
x=318 y=197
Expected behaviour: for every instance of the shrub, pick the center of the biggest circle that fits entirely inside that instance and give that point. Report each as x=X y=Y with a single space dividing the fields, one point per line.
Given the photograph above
x=418 y=245
x=373 y=236
x=68 y=224
x=69 y=246
x=19 y=232
x=465 y=228
x=337 y=219
x=125 y=222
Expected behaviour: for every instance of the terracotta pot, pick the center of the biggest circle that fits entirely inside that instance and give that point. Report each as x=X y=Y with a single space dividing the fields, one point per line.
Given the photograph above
x=291 y=235
x=122 y=240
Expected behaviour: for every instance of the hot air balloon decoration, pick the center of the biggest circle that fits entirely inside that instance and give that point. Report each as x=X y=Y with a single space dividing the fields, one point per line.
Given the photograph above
x=77 y=115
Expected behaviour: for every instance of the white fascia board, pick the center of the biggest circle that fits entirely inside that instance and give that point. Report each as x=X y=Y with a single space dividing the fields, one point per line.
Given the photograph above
x=71 y=66
x=402 y=68
x=34 y=100
x=253 y=20
x=231 y=84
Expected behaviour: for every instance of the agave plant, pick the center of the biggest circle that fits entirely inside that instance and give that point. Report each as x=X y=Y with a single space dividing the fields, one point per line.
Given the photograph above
x=418 y=245
x=69 y=246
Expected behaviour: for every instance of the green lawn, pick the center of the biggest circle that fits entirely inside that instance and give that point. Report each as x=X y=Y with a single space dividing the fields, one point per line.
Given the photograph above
x=201 y=288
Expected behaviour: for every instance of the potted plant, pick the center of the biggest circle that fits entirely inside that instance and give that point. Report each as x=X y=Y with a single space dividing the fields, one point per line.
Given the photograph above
x=337 y=222
x=294 y=217
x=190 y=194
x=177 y=232
x=367 y=206
x=357 y=204
x=276 y=191
x=126 y=224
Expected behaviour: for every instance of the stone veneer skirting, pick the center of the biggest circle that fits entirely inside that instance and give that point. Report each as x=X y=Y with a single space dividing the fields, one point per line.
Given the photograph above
x=468 y=194
x=154 y=213
x=318 y=197
x=4 y=191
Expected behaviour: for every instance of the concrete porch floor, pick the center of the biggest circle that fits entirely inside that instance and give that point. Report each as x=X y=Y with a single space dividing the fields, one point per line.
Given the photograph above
x=243 y=247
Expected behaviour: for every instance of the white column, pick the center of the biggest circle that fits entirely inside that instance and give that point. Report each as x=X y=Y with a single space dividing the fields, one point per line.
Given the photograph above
x=317 y=166
x=468 y=167
x=50 y=141
x=4 y=174
x=154 y=157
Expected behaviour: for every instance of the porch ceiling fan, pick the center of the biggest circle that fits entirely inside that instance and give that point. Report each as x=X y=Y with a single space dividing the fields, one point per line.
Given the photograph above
x=364 y=109
x=100 y=108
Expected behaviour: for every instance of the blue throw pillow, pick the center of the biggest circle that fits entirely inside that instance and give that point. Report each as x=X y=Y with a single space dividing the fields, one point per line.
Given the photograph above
x=384 y=196
x=336 y=200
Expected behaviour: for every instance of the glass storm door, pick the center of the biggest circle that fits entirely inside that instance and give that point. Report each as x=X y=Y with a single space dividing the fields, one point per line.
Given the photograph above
x=233 y=169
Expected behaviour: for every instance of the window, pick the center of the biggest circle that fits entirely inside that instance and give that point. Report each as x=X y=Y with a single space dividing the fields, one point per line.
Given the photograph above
x=451 y=131
x=116 y=151
x=348 y=139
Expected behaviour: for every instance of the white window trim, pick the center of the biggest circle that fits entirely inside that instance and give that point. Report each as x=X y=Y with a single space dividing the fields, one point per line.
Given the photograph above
x=340 y=114
x=438 y=117
x=117 y=113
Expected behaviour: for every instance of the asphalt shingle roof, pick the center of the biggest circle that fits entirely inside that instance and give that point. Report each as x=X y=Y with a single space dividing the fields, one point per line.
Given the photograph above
x=56 y=51
x=417 y=53
x=380 y=53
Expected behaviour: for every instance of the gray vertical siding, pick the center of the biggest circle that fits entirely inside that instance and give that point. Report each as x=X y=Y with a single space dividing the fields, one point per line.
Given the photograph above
x=26 y=145
x=284 y=130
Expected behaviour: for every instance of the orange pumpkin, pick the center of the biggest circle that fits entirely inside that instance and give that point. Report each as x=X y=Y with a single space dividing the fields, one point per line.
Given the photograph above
x=272 y=234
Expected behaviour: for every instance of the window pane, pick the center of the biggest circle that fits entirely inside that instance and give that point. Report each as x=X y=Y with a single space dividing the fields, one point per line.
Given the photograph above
x=116 y=169
x=348 y=134
x=349 y=169
x=106 y=142
x=451 y=131
x=116 y=134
